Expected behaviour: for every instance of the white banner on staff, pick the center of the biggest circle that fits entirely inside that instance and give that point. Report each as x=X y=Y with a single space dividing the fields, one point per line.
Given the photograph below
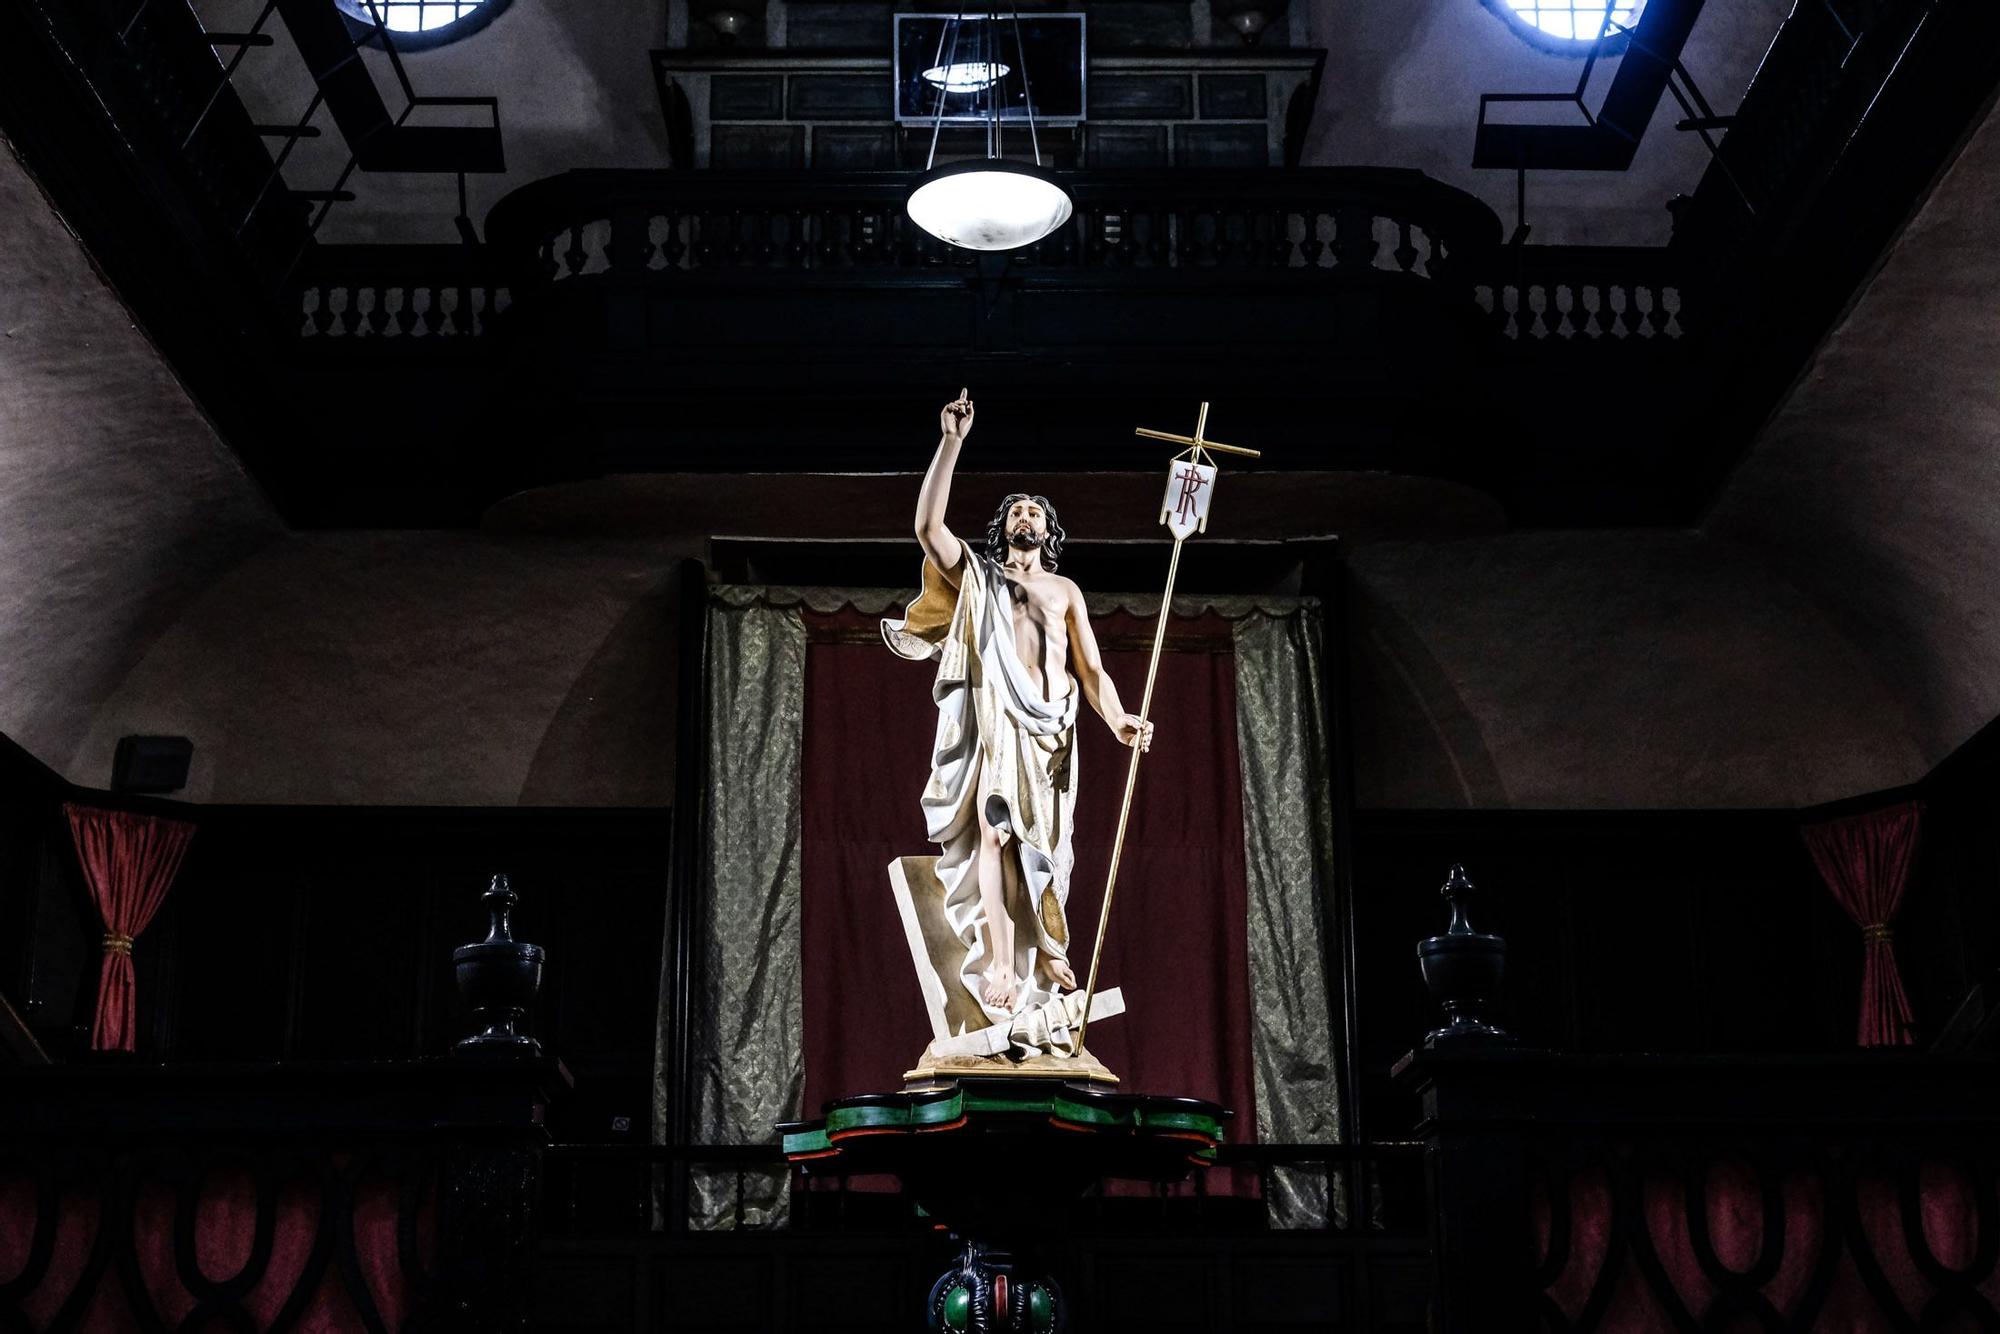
x=1190 y=487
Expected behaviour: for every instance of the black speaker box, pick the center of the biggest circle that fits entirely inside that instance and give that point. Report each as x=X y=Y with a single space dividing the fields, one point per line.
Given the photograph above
x=151 y=764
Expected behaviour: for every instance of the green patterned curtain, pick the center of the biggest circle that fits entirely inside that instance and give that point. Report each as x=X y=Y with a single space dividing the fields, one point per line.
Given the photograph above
x=1282 y=747
x=746 y=1062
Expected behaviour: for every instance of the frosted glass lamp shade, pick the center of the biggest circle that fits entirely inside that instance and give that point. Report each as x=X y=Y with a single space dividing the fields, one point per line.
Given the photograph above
x=968 y=76
x=989 y=205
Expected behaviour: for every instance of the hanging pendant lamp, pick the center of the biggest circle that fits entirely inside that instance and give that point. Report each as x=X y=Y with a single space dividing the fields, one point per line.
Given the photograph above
x=988 y=203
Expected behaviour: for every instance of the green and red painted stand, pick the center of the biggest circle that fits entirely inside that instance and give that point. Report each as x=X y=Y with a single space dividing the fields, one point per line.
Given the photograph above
x=991 y=1159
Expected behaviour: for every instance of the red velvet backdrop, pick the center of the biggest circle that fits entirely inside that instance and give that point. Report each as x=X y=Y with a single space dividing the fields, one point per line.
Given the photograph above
x=1177 y=942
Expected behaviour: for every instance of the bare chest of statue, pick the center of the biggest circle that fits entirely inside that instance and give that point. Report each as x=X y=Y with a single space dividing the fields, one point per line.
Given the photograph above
x=1039 y=603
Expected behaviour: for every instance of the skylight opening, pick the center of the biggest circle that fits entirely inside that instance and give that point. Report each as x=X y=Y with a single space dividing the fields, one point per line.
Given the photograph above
x=1580 y=21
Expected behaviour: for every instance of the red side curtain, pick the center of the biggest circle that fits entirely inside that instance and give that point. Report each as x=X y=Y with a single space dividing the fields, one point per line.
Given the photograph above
x=1178 y=941
x=1865 y=860
x=129 y=862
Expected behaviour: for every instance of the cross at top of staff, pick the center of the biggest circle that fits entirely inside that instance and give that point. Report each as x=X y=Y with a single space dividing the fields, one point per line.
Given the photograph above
x=1196 y=441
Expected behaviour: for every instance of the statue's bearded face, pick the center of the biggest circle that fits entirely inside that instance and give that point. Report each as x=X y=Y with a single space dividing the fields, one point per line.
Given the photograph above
x=1027 y=527
x=1025 y=522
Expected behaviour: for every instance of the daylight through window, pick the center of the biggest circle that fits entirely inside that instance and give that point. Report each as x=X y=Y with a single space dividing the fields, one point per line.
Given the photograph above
x=411 y=15
x=1575 y=20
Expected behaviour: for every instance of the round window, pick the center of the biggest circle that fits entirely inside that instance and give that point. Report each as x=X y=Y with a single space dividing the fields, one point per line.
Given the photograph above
x=415 y=23
x=1572 y=24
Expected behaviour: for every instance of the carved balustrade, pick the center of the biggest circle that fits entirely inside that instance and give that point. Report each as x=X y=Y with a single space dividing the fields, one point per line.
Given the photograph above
x=632 y=223
x=1581 y=294
x=431 y=294
x=1191 y=232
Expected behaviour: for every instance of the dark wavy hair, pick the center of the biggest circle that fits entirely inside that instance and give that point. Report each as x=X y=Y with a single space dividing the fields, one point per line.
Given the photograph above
x=996 y=531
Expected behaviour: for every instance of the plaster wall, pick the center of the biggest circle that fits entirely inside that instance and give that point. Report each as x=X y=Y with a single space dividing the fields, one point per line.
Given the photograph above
x=1560 y=670
x=1876 y=487
x=118 y=502
x=1607 y=670
x=419 y=668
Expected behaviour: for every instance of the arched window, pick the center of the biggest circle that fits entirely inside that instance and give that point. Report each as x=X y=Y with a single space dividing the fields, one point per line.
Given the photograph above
x=1570 y=24
x=418 y=23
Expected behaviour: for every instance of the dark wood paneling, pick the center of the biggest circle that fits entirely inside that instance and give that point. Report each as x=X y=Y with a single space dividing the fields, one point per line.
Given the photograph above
x=839 y=25
x=746 y=97
x=1139 y=23
x=326 y=933
x=758 y=147
x=1678 y=931
x=861 y=319
x=1948 y=933
x=1221 y=146
x=45 y=922
x=868 y=1280
x=840 y=97
x=1233 y=97
x=1128 y=145
x=1141 y=97
x=853 y=147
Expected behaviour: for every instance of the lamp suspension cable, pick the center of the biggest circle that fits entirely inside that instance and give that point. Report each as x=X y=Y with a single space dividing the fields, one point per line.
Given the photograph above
x=944 y=84
x=993 y=107
x=986 y=202
x=1027 y=88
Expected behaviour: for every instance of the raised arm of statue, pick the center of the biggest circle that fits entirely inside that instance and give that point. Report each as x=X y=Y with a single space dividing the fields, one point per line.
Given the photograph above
x=938 y=542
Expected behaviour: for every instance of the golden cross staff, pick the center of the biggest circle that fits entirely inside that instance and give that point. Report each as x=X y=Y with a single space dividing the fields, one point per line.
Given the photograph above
x=1184 y=510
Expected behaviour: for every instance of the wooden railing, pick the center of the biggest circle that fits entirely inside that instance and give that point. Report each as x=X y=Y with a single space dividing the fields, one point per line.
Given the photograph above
x=612 y=1261
x=431 y=294
x=635 y=222
x=1183 y=232
x=1333 y=1189
x=1582 y=294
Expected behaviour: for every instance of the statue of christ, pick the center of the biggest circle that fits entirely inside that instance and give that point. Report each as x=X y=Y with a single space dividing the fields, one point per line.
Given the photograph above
x=1015 y=653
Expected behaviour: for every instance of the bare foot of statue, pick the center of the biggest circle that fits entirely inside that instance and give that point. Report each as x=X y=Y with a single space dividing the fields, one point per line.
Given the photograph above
x=998 y=990
x=1059 y=972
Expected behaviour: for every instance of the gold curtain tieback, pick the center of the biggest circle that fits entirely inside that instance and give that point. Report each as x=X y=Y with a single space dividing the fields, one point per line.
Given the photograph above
x=116 y=942
x=1877 y=931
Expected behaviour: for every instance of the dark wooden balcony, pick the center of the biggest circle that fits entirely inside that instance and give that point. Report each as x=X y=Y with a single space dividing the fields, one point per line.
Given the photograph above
x=614 y=321
x=626 y=321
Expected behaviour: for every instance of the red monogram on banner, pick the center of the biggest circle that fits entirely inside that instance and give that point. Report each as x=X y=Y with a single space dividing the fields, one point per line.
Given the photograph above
x=1191 y=484
x=1190 y=488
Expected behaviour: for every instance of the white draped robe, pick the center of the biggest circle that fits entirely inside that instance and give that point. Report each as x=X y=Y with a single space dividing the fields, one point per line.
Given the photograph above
x=1003 y=748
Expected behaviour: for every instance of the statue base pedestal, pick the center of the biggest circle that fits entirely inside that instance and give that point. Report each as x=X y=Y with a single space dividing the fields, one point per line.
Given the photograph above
x=934 y=1072
x=995 y=1157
